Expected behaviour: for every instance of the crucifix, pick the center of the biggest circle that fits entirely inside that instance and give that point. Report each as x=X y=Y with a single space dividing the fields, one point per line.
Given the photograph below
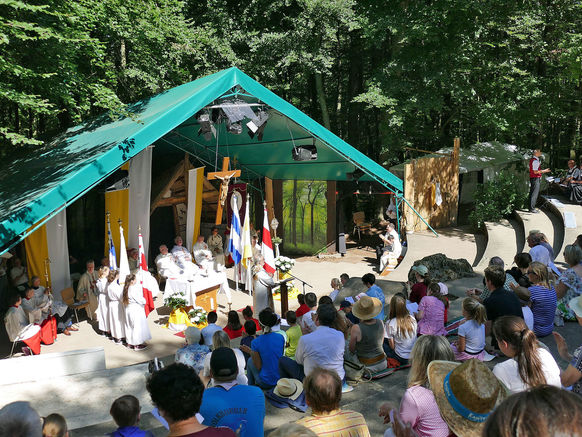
x=225 y=176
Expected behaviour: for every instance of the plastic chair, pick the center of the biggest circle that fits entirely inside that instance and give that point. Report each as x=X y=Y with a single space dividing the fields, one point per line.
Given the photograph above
x=68 y=296
x=360 y=223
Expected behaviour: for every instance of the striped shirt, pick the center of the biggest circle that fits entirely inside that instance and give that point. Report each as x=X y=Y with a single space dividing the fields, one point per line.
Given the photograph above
x=543 y=307
x=419 y=408
x=337 y=423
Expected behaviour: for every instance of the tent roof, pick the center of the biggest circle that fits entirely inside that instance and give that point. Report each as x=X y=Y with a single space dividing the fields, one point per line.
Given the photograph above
x=36 y=185
x=478 y=156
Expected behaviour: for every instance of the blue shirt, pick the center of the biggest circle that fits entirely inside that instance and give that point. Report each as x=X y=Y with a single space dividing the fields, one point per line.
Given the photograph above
x=543 y=307
x=270 y=347
x=375 y=291
x=130 y=431
x=208 y=332
x=242 y=406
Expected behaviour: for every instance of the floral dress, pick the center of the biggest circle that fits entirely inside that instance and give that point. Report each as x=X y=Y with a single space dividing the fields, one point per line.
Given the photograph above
x=574 y=283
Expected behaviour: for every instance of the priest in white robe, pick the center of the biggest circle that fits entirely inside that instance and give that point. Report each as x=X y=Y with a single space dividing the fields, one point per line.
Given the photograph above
x=183 y=259
x=166 y=264
x=87 y=289
x=216 y=248
x=203 y=256
x=36 y=308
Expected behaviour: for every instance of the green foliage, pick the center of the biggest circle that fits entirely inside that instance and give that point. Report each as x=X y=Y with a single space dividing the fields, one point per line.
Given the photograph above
x=497 y=198
x=176 y=301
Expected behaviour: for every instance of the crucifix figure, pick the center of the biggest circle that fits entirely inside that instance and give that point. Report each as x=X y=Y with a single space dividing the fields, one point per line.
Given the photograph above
x=225 y=176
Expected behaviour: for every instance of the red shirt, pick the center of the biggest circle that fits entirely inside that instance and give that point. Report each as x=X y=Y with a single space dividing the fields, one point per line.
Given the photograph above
x=232 y=333
x=257 y=324
x=532 y=171
x=418 y=292
x=303 y=308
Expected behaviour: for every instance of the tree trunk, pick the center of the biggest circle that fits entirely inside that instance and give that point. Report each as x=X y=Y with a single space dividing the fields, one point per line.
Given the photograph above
x=321 y=100
x=303 y=206
x=294 y=214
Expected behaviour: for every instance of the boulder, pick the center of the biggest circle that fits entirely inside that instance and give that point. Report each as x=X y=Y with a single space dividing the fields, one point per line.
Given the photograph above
x=443 y=269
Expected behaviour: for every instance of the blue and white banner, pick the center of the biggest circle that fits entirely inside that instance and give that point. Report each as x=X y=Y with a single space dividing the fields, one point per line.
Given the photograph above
x=112 y=255
x=234 y=241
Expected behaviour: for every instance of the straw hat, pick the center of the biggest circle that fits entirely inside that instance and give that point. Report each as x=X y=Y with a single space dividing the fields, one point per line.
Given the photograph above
x=576 y=306
x=367 y=308
x=288 y=388
x=466 y=394
x=421 y=269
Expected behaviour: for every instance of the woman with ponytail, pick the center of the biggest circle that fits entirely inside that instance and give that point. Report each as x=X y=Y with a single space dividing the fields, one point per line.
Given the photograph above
x=137 y=331
x=529 y=364
x=116 y=311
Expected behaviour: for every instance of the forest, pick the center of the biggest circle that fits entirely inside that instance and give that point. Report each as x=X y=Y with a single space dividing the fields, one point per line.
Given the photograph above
x=383 y=75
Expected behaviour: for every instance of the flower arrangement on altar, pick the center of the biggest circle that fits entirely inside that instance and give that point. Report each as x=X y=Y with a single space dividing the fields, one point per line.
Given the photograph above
x=176 y=301
x=284 y=264
x=198 y=317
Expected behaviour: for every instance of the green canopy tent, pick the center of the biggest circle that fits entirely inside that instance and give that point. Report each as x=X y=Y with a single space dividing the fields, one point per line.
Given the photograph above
x=35 y=186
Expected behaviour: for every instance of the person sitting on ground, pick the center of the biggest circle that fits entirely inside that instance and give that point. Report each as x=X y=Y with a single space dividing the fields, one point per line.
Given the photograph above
x=335 y=288
x=211 y=328
x=418 y=405
x=344 y=278
x=465 y=393
x=19 y=419
x=578 y=241
x=220 y=339
x=323 y=347
x=238 y=407
x=306 y=320
x=471 y=342
x=324 y=300
x=374 y=291
x=481 y=295
x=519 y=272
x=265 y=351
x=125 y=413
x=55 y=425
x=247 y=313
x=544 y=242
x=367 y=337
x=400 y=331
x=537 y=251
x=194 y=353
x=177 y=392
x=233 y=326
x=569 y=284
x=250 y=333
x=419 y=288
x=303 y=308
x=543 y=299
x=18 y=326
x=572 y=376
x=529 y=364
x=431 y=312
x=525 y=301
x=544 y=411
x=340 y=323
x=293 y=334
x=500 y=302
x=346 y=308
x=323 y=393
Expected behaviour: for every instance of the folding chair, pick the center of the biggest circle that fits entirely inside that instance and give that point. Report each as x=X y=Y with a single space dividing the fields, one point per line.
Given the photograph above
x=68 y=296
x=360 y=224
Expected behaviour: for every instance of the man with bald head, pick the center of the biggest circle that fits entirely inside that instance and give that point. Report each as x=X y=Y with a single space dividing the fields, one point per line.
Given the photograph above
x=166 y=264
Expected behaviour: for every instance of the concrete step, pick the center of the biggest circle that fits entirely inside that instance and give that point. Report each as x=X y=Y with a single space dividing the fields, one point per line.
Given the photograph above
x=564 y=212
x=501 y=241
x=546 y=221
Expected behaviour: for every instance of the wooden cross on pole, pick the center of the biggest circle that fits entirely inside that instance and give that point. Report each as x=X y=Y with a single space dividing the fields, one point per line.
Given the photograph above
x=225 y=176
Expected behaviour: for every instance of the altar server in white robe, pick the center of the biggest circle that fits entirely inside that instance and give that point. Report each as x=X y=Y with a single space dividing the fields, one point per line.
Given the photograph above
x=184 y=259
x=103 y=306
x=137 y=331
x=36 y=308
x=116 y=310
x=203 y=256
x=87 y=289
x=16 y=321
x=166 y=264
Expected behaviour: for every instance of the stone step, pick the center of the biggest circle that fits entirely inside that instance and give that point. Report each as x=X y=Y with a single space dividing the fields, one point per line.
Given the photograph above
x=501 y=241
x=546 y=222
x=565 y=213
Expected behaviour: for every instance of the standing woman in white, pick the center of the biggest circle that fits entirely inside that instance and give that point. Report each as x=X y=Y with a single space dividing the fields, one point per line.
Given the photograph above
x=137 y=331
x=116 y=311
x=103 y=305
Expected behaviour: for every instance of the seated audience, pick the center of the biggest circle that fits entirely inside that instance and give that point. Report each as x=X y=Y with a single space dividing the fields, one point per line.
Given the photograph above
x=569 y=284
x=419 y=287
x=543 y=411
x=220 y=339
x=19 y=419
x=125 y=413
x=471 y=342
x=481 y=295
x=247 y=313
x=233 y=326
x=303 y=308
x=529 y=364
x=324 y=348
x=293 y=334
x=572 y=376
x=323 y=300
x=418 y=405
x=367 y=337
x=519 y=271
x=194 y=353
x=524 y=297
x=374 y=291
x=292 y=430
x=572 y=174
x=208 y=331
x=400 y=330
x=306 y=320
x=431 y=312
x=177 y=393
x=346 y=309
x=250 y=333
x=17 y=323
x=323 y=393
x=465 y=394
x=238 y=407
x=335 y=288
x=538 y=252
x=55 y=425
x=344 y=278
x=265 y=351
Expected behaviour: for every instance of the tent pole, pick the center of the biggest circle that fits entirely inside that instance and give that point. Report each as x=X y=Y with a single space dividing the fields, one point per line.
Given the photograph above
x=421 y=217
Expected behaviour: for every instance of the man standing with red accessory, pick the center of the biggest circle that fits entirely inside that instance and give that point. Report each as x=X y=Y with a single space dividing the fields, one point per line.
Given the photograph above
x=535 y=175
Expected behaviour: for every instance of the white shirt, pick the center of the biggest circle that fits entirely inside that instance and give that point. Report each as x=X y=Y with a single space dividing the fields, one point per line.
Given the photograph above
x=540 y=254
x=333 y=294
x=241 y=378
x=402 y=345
x=474 y=334
x=322 y=348
x=307 y=323
x=397 y=247
x=528 y=317
x=508 y=374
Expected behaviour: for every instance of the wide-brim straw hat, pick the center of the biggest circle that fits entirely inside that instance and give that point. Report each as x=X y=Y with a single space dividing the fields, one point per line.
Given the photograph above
x=470 y=394
x=367 y=308
x=576 y=305
x=288 y=388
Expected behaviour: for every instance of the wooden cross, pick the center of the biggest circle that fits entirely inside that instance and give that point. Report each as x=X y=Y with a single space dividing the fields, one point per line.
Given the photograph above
x=225 y=176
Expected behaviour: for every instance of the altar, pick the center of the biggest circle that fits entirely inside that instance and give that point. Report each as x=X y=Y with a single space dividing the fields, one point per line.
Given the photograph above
x=201 y=291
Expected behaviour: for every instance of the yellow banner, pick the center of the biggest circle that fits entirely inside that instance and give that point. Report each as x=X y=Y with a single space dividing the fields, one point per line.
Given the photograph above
x=37 y=255
x=117 y=203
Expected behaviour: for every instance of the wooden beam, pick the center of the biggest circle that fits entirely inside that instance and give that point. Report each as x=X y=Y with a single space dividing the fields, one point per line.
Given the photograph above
x=269 y=199
x=171 y=201
x=177 y=173
x=225 y=175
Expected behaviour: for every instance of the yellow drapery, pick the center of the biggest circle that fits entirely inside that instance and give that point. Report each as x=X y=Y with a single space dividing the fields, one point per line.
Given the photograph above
x=199 y=175
x=117 y=203
x=36 y=255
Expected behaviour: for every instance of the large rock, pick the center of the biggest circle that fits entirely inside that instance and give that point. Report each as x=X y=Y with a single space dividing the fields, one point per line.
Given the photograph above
x=443 y=269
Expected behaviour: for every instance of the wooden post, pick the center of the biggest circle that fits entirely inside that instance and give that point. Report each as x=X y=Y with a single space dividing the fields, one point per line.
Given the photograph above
x=331 y=216
x=278 y=207
x=284 y=299
x=225 y=175
x=269 y=198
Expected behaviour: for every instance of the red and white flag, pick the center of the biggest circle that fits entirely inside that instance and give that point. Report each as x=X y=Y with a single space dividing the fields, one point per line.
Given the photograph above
x=143 y=276
x=267 y=246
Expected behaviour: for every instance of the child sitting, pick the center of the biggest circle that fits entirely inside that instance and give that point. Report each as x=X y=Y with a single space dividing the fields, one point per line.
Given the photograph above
x=303 y=308
x=400 y=331
x=55 y=425
x=524 y=297
x=247 y=313
x=125 y=413
x=249 y=335
x=431 y=312
x=471 y=342
x=293 y=334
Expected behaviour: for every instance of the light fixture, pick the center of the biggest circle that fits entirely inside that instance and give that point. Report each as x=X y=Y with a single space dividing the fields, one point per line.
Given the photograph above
x=206 y=126
x=260 y=119
x=304 y=153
